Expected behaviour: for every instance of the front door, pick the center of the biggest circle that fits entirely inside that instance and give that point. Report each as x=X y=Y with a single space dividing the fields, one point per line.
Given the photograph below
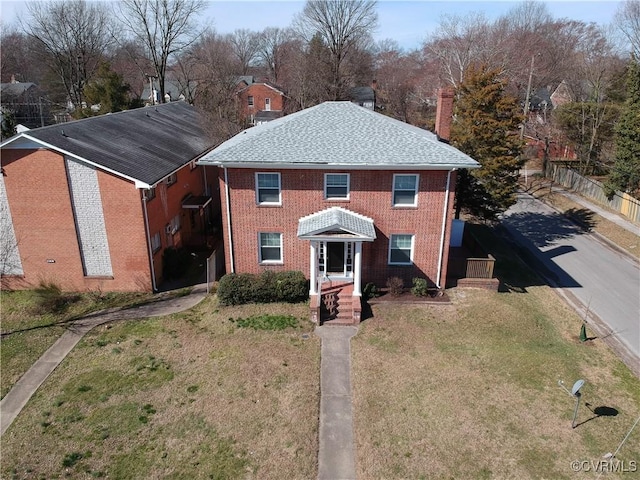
x=335 y=257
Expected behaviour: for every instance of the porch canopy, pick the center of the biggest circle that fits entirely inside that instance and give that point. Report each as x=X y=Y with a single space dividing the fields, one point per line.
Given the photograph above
x=336 y=223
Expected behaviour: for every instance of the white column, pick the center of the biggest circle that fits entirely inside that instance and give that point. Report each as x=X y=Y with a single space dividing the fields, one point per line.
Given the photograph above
x=313 y=262
x=357 y=267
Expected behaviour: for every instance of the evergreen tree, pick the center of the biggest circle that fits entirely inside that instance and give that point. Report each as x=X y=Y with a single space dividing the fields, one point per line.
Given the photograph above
x=485 y=127
x=625 y=175
x=108 y=90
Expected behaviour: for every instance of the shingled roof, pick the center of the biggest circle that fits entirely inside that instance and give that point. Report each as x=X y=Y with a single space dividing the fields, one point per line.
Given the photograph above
x=339 y=134
x=144 y=145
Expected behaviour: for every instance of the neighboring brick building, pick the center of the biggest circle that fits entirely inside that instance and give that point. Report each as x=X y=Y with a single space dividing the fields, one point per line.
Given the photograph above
x=260 y=102
x=93 y=204
x=344 y=194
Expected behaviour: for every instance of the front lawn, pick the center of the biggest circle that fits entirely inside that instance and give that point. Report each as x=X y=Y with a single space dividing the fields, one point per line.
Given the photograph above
x=192 y=395
x=32 y=320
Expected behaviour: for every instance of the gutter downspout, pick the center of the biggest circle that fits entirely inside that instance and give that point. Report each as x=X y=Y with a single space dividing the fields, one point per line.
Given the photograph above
x=146 y=228
x=444 y=227
x=227 y=196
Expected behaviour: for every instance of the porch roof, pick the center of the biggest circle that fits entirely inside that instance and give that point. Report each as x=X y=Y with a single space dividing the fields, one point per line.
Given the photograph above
x=334 y=223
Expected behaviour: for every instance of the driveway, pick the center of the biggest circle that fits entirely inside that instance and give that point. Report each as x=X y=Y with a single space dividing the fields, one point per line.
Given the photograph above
x=605 y=282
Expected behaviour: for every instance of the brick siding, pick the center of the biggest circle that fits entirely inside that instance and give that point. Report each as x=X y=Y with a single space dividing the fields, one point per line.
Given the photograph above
x=370 y=195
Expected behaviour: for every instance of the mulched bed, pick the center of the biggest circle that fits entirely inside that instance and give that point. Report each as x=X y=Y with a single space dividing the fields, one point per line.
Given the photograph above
x=408 y=297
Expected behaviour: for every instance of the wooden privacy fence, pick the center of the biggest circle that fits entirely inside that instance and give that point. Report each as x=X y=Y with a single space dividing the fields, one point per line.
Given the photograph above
x=480 y=267
x=215 y=266
x=621 y=202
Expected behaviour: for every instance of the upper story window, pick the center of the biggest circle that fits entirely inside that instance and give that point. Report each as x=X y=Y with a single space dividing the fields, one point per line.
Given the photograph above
x=267 y=104
x=250 y=100
x=336 y=186
x=151 y=193
x=270 y=249
x=401 y=250
x=171 y=179
x=405 y=190
x=268 y=189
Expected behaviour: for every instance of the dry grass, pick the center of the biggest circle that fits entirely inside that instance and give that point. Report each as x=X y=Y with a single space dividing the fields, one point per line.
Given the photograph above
x=185 y=396
x=471 y=390
x=611 y=231
x=30 y=325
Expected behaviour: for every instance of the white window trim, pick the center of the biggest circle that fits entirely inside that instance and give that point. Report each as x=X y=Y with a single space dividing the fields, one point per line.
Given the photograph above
x=326 y=196
x=250 y=101
x=172 y=179
x=270 y=262
x=415 y=192
x=411 y=253
x=258 y=202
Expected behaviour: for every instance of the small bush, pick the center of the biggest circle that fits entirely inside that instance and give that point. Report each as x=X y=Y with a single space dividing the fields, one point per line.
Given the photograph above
x=420 y=287
x=395 y=286
x=371 y=291
x=238 y=289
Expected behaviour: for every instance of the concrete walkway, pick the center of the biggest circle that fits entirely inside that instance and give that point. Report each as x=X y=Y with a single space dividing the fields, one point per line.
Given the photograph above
x=26 y=386
x=336 y=458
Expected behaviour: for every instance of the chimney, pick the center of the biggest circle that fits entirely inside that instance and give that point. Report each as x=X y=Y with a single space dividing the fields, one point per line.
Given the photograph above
x=444 y=113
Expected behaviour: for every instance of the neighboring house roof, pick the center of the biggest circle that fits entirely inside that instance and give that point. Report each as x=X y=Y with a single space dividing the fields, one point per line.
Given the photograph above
x=270 y=85
x=174 y=89
x=247 y=79
x=267 y=115
x=340 y=135
x=15 y=89
x=144 y=145
x=362 y=95
x=336 y=222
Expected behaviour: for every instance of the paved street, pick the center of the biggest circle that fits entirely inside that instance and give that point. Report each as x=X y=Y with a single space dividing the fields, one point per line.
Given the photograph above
x=604 y=281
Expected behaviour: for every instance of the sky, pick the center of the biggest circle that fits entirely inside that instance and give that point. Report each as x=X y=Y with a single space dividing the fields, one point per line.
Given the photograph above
x=408 y=22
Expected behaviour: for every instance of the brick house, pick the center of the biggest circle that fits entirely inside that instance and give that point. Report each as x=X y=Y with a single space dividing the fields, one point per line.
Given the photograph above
x=260 y=102
x=346 y=195
x=93 y=204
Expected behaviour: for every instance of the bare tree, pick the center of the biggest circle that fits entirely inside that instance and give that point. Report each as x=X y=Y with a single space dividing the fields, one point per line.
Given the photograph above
x=460 y=42
x=628 y=21
x=73 y=36
x=245 y=45
x=344 y=27
x=164 y=27
x=272 y=49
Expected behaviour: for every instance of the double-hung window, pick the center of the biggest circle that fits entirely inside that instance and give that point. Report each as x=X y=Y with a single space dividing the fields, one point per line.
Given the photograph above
x=401 y=249
x=268 y=188
x=156 y=243
x=270 y=248
x=171 y=179
x=405 y=190
x=336 y=186
x=250 y=100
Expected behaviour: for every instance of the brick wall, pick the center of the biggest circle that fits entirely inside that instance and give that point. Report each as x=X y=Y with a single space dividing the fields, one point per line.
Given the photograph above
x=370 y=195
x=260 y=92
x=167 y=204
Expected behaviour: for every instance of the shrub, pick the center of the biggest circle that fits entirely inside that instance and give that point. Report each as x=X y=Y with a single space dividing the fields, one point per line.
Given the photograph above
x=371 y=291
x=395 y=285
x=420 y=287
x=237 y=289
x=291 y=286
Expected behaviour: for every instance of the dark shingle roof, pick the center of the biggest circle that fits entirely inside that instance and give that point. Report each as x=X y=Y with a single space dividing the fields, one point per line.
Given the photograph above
x=144 y=145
